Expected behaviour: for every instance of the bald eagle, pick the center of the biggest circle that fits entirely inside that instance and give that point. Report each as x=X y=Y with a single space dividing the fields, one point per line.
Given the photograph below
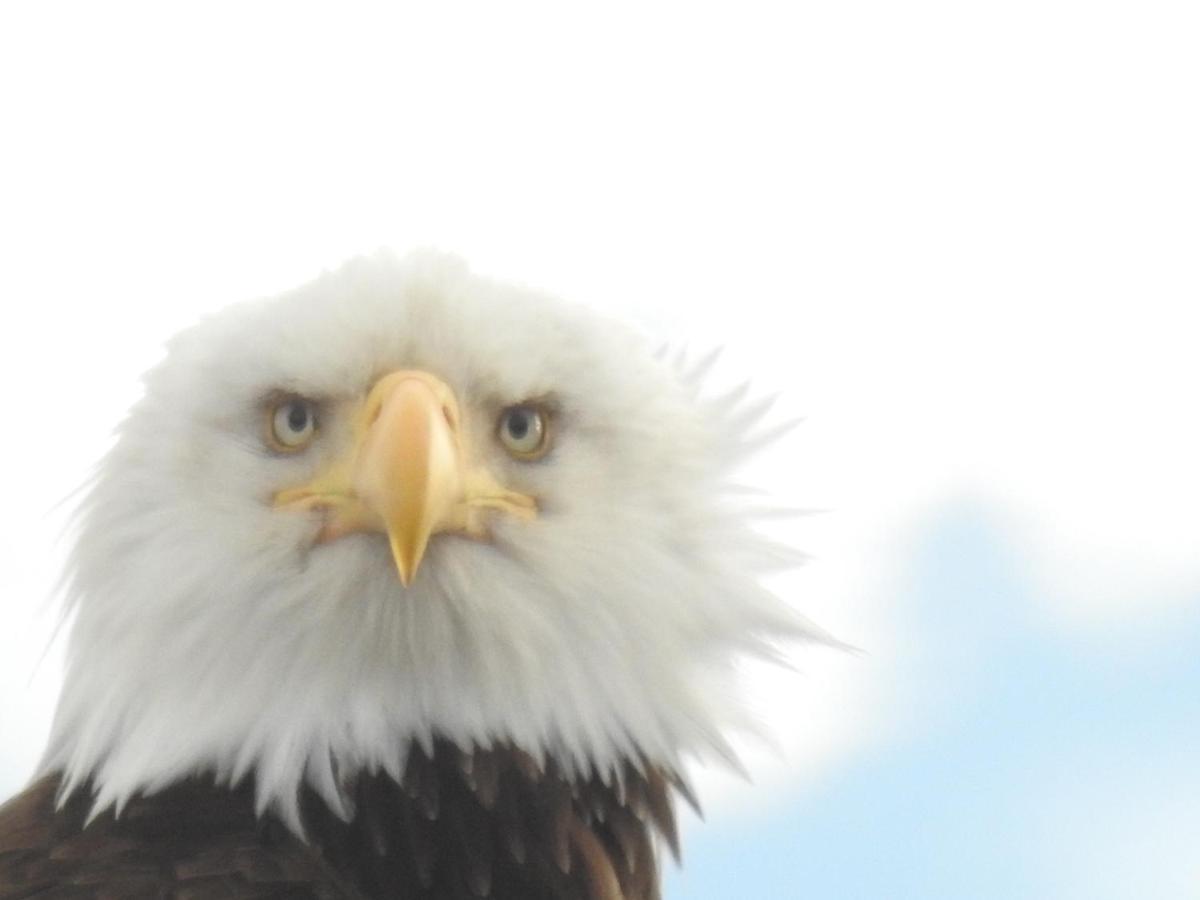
x=405 y=583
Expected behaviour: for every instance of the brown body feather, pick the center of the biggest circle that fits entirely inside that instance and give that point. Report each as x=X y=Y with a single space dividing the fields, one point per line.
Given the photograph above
x=486 y=824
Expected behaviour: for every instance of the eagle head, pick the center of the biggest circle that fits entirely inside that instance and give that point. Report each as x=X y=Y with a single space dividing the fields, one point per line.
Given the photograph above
x=405 y=504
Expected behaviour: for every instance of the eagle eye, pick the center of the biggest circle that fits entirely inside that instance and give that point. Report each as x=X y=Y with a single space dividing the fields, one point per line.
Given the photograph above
x=524 y=430
x=291 y=424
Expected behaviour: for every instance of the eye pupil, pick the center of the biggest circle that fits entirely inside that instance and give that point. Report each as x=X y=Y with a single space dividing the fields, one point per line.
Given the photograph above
x=297 y=417
x=518 y=423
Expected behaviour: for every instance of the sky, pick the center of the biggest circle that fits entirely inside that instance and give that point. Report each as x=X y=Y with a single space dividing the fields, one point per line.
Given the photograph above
x=958 y=240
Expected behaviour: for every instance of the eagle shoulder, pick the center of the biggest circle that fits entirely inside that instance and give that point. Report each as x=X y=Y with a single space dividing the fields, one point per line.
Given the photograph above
x=192 y=841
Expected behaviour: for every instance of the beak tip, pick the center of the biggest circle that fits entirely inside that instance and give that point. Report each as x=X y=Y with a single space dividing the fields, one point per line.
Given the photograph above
x=407 y=560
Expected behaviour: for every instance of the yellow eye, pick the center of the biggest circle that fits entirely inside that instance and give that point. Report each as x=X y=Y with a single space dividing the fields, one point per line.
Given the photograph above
x=291 y=425
x=524 y=430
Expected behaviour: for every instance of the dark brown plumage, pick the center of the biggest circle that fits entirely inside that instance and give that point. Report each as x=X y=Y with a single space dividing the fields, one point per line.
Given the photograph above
x=487 y=824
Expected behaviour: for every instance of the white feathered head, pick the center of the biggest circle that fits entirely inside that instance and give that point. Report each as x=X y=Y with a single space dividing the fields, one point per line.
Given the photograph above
x=404 y=502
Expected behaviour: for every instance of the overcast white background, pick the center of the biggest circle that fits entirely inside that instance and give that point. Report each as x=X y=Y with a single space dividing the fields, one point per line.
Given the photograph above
x=961 y=239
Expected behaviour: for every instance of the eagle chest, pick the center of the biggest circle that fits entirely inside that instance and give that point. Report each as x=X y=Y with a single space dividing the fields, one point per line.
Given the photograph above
x=486 y=824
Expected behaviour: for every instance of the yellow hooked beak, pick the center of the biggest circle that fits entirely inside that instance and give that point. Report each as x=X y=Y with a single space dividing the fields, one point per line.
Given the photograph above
x=406 y=474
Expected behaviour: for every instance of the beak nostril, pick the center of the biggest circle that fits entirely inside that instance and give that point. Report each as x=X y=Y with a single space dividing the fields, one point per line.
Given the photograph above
x=449 y=416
